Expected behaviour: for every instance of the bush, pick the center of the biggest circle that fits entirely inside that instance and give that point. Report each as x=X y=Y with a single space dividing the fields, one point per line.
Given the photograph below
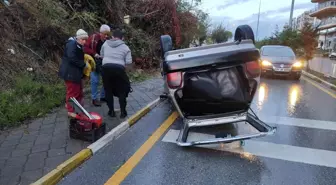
x=28 y=99
x=145 y=49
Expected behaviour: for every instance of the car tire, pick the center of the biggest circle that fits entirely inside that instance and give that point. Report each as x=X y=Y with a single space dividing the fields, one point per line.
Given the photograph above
x=244 y=32
x=166 y=44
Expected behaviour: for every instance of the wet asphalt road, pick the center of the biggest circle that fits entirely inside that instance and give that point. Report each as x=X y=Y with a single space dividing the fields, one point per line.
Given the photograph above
x=302 y=151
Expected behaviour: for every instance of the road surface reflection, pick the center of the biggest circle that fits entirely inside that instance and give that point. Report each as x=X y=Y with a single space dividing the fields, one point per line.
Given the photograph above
x=293 y=96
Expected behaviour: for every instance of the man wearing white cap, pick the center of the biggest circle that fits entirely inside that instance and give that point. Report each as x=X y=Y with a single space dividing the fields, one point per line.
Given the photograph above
x=72 y=66
x=92 y=47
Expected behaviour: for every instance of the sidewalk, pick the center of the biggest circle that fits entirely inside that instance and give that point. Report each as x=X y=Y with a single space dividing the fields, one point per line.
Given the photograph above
x=32 y=150
x=323 y=65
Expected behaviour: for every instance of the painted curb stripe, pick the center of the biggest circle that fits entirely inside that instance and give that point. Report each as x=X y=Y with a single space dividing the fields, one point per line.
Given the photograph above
x=64 y=168
x=72 y=163
x=133 y=119
x=313 y=77
x=122 y=127
x=132 y=162
x=320 y=87
x=53 y=177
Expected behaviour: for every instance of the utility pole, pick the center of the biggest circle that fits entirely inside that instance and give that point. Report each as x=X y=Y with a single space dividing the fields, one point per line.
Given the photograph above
x=258 y=21
x=291 y=15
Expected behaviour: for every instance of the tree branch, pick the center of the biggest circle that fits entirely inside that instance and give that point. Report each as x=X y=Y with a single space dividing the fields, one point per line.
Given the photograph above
x=32 y=51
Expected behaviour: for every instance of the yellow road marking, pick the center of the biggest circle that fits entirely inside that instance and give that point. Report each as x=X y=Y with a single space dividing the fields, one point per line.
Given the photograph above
x=130 y=164
x=319 y=87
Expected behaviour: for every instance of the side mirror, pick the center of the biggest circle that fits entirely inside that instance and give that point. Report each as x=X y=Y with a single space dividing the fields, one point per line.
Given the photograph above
x=166 y=44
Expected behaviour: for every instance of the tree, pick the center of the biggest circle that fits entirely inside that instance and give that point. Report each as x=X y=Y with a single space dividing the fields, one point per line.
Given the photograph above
x=186 y=5
x=303 y=42
x=308 y=36
x=220 y=34
x=194 y=22
x=287 y=37
x=203 y=26
x=292 y=38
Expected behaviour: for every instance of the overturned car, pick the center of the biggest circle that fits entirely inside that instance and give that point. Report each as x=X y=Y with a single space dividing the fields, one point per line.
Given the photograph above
x=214 y=85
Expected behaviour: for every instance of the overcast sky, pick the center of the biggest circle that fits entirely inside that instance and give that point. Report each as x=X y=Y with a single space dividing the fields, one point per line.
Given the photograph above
x=235 y=12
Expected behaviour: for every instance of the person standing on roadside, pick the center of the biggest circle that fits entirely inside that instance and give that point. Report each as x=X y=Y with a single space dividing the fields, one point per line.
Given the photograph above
x=116 y=55
x=93 y=47
x=72 y=67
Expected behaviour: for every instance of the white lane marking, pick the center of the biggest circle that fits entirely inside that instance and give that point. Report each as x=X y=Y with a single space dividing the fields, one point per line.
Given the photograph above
x=298 y=122
x=266 y=149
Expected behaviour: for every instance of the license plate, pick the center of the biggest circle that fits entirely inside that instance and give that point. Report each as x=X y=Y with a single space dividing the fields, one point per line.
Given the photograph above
x=281 y=69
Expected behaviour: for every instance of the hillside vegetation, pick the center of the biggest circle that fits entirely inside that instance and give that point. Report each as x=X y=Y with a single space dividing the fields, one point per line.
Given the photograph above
x=33 y=35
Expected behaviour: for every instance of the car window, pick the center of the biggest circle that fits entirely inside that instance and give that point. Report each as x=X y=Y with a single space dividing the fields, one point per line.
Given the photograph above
x=278 y=52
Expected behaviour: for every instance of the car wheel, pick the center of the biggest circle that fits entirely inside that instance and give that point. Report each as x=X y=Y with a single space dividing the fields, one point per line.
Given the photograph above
x=244 y=32
x=166 y=44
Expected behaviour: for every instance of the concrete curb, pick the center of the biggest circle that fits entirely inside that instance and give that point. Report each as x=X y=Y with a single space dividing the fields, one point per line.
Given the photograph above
x=69 y=165
x=317 y=79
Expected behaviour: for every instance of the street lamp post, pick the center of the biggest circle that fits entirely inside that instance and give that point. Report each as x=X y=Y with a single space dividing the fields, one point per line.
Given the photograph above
x=291 y=15
x=258 y=21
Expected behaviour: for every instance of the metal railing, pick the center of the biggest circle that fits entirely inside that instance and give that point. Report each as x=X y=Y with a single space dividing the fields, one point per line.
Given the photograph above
x=327 y=21
x=323 y=5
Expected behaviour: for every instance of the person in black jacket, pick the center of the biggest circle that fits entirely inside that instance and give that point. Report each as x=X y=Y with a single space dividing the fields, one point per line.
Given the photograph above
x=72 y=66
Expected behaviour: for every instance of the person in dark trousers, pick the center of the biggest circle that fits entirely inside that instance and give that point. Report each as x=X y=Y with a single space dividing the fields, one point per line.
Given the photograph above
x=116 y=57
x=93 y=47
x=72 y=67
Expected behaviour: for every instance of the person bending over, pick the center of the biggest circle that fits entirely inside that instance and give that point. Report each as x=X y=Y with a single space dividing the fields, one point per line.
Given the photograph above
x=116 y=55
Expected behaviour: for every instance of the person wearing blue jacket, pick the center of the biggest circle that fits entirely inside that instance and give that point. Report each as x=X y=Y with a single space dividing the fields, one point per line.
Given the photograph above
x=72 y=67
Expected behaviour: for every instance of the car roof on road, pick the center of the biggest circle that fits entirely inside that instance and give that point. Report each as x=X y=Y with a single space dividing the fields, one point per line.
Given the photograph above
x=202 y=51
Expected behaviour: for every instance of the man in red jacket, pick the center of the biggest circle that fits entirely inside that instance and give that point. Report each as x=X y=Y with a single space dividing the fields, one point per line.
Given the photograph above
x=92 y=47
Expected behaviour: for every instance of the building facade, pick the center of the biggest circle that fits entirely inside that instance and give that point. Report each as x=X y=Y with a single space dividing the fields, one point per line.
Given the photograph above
x=325 y=12
x=300 y=20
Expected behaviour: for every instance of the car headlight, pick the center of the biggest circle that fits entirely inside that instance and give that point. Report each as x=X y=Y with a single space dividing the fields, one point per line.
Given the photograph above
x=297 y=64
x=266 y=63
